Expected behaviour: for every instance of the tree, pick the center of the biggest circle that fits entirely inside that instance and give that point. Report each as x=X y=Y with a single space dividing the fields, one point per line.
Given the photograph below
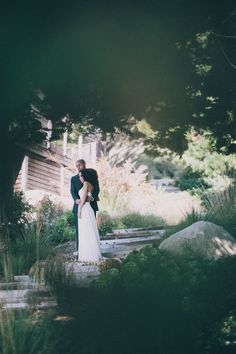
x=105 y=61
x=210 y=85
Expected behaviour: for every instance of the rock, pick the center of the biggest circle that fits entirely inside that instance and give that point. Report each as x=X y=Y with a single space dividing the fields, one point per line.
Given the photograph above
x=84 y=274
x=107 y=263
x=36 y=272
x=61 y=266
x=203 y=238
x=66 y=248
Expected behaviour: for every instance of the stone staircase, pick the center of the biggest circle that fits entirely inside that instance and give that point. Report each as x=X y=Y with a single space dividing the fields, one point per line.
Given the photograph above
x=21 y=292
x=135 y=233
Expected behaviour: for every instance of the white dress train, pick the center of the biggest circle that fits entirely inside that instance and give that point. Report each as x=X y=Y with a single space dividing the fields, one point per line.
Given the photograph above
x=89 y=241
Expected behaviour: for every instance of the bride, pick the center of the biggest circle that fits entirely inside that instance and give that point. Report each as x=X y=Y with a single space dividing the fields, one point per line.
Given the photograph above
x=89 y=241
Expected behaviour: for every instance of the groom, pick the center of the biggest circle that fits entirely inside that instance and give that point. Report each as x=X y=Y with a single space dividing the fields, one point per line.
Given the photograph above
x=75 y=186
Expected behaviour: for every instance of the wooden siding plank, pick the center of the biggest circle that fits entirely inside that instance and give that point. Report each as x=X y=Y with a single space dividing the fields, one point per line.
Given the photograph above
x=44 y=164
x=45 y=181
x=43 y=174
x=47 y=188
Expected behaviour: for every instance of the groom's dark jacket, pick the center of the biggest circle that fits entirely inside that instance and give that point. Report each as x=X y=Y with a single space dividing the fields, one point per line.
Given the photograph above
x=75 y=186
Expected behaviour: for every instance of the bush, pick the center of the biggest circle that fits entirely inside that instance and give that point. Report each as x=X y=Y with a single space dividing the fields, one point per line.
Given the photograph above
x=134 y=220
x=23 y=331
x=47 y=213
x=137 y=220
x=31 y=248
x=26 y=251
x=18 y=214
x=106 y=224
x=155 y=303
x=69 y=217
x=60 y=231
x=57 y=275
x=191 y=180
x=221 y=208
x=57 y=227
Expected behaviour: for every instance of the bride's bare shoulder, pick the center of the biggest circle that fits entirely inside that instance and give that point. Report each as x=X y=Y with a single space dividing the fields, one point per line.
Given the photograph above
x=88 y=185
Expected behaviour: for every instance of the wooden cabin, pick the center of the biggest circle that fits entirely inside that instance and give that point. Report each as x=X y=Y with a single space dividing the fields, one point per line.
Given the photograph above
x=47 y=168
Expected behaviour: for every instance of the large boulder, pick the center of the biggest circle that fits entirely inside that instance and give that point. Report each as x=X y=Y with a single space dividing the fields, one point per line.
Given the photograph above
x=202 y=238
x=66 y=248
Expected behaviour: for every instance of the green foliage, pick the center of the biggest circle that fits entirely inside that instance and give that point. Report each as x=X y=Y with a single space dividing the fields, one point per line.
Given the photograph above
x=23 y=332
x=219 y=208
x=27 y=250
x=155 y=303
x=60 y=231
x=57 y=275
x=34 y=240
x=191 y=180
x=58 y=227
x=137 y=220
x=202 y=156
x=107 y=223
x=69 y=217
x=47 y=212
x=18 y=213
x=203 y=167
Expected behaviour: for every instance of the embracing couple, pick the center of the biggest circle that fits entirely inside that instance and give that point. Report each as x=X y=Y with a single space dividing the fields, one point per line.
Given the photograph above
x=84 y=191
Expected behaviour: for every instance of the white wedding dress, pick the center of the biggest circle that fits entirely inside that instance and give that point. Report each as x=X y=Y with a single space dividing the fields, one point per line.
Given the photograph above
x=89 y=241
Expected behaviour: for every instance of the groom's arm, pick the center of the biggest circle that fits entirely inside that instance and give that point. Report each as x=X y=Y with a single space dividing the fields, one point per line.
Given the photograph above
x=73 y=190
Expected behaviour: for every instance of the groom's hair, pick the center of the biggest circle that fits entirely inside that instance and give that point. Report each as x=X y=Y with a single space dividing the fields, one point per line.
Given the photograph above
x=81 y=161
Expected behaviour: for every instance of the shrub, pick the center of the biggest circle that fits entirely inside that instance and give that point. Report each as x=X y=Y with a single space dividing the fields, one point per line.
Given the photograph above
x=57 y=227
x=155 y=303
x=57 y=275
x=134 y=220
x=221 y=208
x=47 y=212
x=23 y=332
x=106 y=224
x=137 y=220
x=191 y=180
x=19 y=214
x=25 y=252
x=60 y=231
x=69 y=217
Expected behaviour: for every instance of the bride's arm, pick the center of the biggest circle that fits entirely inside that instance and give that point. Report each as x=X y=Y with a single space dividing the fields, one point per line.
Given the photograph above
x=83 y=198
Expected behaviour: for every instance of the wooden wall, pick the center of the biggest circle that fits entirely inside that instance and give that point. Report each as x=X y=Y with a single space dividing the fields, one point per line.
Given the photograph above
x=46 y=169
x=43 y=174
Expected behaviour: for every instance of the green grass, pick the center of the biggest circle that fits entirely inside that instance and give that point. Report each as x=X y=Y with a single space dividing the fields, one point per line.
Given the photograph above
x=26 y=251
x=137 y=220
x=133 y=220
x=219 y=208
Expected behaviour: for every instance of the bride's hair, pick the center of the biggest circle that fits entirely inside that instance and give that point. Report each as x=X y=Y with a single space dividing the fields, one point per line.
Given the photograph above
x=89 y=175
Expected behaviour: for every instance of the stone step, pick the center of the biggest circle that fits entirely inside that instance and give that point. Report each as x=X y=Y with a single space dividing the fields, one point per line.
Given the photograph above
x=130 y=240
x=134 y=229
x=137 y=233
x=13 y=299
x=20 y=282
x=22 y=278
x=17 y=286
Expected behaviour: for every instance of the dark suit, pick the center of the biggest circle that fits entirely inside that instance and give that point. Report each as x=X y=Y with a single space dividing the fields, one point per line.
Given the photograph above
x=75 y=186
